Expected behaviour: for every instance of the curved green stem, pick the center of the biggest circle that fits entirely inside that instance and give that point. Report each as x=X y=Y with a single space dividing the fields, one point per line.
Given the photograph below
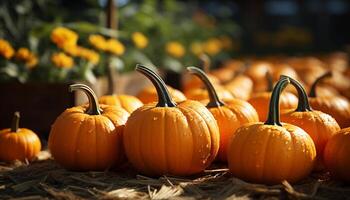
x=204 y=58
x=269 y=81
x=312 y=92
x=94 y=107
x=15 y=122
x=303 y=101
x=214 y=100
x=274 y=111
x=164 y=98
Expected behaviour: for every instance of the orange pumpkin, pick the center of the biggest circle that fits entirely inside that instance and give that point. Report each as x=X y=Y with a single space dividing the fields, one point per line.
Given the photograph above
x=257 y=72
x=88 y=137
x=261 y=99
x=336 y=106
x=169 y=138
x=320 y=126
x=128 y=102
x=336 y=155
x=271 y=152
x=18 y=143
x=149 y=94
x=240 y=87
x=202 y=94
x=228 y=116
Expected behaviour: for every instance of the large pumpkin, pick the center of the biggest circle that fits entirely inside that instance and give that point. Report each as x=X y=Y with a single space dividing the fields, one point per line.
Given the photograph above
x=169 y=138
x=271 y=152
x=259 y=100
x=336 y=155
x=228 y=116
x=88 y=137
x=320 y=126
x=128 y=102
x=336 y=106
x=18 y=143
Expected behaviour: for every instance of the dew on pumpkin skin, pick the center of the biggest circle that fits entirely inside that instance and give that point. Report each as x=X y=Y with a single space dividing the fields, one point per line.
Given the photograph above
x=155 y=118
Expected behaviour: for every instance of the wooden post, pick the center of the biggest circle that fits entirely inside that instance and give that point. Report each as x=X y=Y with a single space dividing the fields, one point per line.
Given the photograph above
x=111 y=22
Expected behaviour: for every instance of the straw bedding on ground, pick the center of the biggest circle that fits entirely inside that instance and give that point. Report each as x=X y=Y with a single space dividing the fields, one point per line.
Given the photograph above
x=45 y=179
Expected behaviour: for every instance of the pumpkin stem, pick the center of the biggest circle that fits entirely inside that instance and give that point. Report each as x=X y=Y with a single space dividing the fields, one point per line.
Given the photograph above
x=303 y=101
x=205 y=62
x=94 y=107
x=274 y=111
x=15 y=122
x=164 y=98
x=269 y=80
x=312 y=92
x=214 y=100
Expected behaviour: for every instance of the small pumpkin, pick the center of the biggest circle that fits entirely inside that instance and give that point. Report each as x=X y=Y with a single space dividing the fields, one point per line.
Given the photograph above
x=257 y=72
x=320 y=126
x=271 y=152
x=229 y=116
x=261 y=99
x=240 y=87
x=336 y=155
x=201 y=94
x=18 y=143
x=88 y=137
x=336 y=106
x=149 y=94
x=170 y=138
x=128 y=102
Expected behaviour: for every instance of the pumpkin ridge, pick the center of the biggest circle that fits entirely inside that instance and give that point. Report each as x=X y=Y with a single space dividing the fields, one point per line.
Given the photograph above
x=77 y=140
x=264 y=155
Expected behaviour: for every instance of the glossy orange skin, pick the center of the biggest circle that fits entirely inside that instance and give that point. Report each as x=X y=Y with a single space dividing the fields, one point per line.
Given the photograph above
x=127 y=102
x=21 y=145
x=260 y=101
x=336 y=106
x=270 y=154
x=194 y=82
x=257 y=72
x=229 y=118
x=241 y=87
x=149 y=95
x=202 y=94
x=336 y=155
x=320 y=126
x=181 y=140
x=79 y=141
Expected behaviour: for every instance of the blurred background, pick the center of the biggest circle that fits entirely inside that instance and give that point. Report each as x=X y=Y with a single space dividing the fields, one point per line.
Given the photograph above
x=47 y=44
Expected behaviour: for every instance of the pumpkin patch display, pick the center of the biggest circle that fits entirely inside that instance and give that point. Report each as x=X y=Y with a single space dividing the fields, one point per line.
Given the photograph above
x=336 y=155
x=336 y=106
x=271 y=152
x=18 y=143
x=240 y=87
x=260 y=100
x=149 y=95
x=88 y=137
x=257 y=72
x=228 y=116
x=320 y=126
x=170 y=138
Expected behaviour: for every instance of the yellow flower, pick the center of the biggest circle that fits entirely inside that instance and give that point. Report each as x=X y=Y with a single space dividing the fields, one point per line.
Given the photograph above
x=175 y=49
x=88 y=54
x=196 y=48
x=27 y=56
x=213 y=46
x=115 y=47
x=64 y=37
x=139 y=39
x=98 y=41
x=61 y=60
x=6 y=50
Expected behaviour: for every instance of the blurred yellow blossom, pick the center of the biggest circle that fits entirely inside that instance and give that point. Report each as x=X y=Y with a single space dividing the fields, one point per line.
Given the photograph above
x=64 y=37
x=88 y=54
x=26 y=56
x=196 y=48
x=175 y=49
x=6 y=50
x=212 y=46
x=115 y=47
x=139 y=39
x=98 y=41
x=61 y=60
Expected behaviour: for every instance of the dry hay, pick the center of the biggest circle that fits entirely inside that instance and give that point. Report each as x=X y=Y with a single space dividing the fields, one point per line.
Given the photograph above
x=44 y=179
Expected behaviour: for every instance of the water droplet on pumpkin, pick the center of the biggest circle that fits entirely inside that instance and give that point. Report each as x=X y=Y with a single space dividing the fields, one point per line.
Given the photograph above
x=155 y=118
x=289 y=148
x=286 y=142
x=207 y=145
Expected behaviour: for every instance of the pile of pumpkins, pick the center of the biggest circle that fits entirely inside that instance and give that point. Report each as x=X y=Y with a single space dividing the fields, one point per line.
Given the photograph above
x=266 y=133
